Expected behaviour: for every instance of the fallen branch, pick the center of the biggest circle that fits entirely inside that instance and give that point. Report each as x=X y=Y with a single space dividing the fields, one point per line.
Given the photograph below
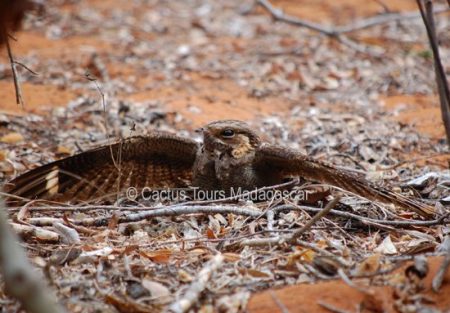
x=20 y=279
x=171 y=211
x=316 y=217
x=42 y=234
x=426 y=11
x=334 y=31
x=18 y=89
x=366 y=220
x=194 y=291
x=339 y=32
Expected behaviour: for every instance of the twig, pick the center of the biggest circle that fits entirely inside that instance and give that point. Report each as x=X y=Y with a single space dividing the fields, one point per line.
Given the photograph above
x=270 y=219
x=366 y=220
x=171 y=211
x=334 y=31
x=283 y=239
x=18 y=89
x=439 y=278
x=26 y=67
x=279 y=15
x=316 y=217
x=194 y=291
x=19 y=276
x=426 y=11
x=339 y=32
x=278 y=302
x=351 y=284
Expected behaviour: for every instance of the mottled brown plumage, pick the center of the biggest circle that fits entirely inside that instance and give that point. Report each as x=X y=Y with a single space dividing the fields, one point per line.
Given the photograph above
x=231 y=156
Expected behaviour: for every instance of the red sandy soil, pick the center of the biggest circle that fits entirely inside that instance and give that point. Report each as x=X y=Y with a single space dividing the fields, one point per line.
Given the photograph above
x=305 y=298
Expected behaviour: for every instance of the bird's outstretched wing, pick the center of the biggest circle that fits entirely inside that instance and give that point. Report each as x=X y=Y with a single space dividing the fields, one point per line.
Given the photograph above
x=155 y=161
x=291 y=162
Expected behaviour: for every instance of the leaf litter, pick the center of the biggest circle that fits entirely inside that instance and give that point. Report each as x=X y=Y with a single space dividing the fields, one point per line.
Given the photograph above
x=331 y=101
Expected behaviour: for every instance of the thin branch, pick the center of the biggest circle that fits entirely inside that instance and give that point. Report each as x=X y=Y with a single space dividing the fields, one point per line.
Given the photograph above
x=171 y=211
x=26 y=67
x=316 y=217
x=18 y=89
x=331 y=308
x=367 y=220
x=194 y=291
x=339 y=32
x=278 y=302
x=334 y=31
x=278 y=14
x=426 y=11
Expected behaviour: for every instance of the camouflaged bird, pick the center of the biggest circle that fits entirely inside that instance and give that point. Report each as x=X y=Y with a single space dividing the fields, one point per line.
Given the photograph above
x=231 y=156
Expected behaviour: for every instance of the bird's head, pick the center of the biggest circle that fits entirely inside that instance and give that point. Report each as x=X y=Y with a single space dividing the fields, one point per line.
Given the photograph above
x=230 y=136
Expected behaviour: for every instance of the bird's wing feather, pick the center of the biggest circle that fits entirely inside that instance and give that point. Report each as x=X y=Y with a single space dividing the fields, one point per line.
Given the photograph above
x=291 y=162
x=157 y=160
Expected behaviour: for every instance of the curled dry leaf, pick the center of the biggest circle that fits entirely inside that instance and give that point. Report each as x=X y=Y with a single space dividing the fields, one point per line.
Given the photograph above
x=158 y=256
x=157 y=290
x=386 y=246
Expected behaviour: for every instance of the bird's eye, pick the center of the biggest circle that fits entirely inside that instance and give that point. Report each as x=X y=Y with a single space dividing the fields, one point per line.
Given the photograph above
x=227 y=133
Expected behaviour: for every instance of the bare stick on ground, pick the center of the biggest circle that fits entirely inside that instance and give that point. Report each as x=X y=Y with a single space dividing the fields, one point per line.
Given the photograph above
x=172 y=211
x=339 y=32
x=20 y=279
x=317 y=217
x=198 y=286
x=333 y=31
x=426 y=10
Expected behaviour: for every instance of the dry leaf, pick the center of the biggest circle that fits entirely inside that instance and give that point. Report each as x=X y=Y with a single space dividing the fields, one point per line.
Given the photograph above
x=370 y=265
x=127 y=305
x=12 y=138
x=210 y=234
x=3 y=155
x=158 y=256
x=157 y=290
x=63 y=150
x=184 y=276
x=253 y=273
x=231 y=257
x=386 y=247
